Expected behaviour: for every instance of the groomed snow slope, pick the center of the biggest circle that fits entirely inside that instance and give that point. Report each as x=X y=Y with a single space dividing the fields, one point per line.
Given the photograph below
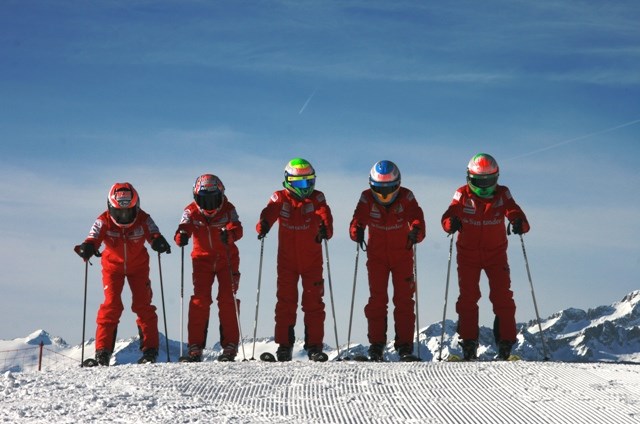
x=333 y=392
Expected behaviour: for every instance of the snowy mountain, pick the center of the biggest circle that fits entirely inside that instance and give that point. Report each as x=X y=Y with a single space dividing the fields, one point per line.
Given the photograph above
x=603 y=334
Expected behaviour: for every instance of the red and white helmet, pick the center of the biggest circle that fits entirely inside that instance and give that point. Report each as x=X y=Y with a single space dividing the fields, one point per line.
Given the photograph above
x=123 y=204
x=482 y=174
x=208 y=192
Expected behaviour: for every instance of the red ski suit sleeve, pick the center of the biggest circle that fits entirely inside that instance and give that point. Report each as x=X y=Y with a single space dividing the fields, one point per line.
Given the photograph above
x=388 y=226
x=124 y=246
x=206 y=233
x=483 y=220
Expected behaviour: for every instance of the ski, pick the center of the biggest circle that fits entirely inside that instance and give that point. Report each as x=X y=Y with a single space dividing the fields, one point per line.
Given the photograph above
x=457 y=358
x=319 y=357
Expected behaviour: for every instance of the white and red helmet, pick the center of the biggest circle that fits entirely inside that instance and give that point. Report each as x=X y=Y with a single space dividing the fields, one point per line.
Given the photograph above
x=482 y=174
x=123 y=204
x=208 y=192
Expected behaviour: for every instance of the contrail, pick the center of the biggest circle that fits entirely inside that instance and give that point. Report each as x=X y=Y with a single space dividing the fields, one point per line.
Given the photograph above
x=617 y=127
x=304 y=106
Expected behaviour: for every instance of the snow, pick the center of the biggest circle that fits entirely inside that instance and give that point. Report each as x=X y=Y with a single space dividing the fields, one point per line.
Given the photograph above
x=331 y=392
x=593 y=377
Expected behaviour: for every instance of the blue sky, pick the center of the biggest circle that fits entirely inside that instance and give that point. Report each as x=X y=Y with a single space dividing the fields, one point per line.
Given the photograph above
x=158 y=92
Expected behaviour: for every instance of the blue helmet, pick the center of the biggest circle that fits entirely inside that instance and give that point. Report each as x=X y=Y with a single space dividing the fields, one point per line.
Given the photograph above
x=384 y=180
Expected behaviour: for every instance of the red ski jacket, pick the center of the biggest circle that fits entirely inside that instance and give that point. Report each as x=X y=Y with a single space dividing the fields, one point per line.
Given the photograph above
x=483 y=225
x=206 y=232
x=389 y=226
x=299 y=223
x=124 y=246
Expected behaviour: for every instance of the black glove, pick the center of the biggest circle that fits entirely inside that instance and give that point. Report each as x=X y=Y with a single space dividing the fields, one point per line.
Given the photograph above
x=454 y=224
x=224 y=236
x=263 y=230
x=85 y=250
x=322 y=233
x=359 y=234
x=160 y=245
x=516 y=226
x=181 y=238
x=413 y=235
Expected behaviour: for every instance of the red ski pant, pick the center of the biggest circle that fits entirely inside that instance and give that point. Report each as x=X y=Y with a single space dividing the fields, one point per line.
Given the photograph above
x=312 y=304
x=496 y=267
x=111 y=309
x=205 y=270
x=401 y=270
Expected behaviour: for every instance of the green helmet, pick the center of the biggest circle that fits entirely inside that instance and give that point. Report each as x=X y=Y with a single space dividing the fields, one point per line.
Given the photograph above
x=482 y=175
x=299 y=178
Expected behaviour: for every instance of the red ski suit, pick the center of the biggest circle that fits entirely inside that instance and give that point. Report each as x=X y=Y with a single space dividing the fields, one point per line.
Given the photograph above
x=482 y=245
x=212 y=258
x=389 y=252
x=125 y=255
x=299 y=256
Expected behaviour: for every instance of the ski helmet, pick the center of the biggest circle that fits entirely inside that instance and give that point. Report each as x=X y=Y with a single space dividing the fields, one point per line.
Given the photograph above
x=482 y=175
x=123 y=204
x=299 y=178
x=384 y=180
x=208 y=192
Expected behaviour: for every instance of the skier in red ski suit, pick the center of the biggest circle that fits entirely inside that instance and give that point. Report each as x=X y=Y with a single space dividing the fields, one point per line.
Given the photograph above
x=305 y=220
x=213 y=223
x=478 y=212
x=396 y=223
x=123 y=229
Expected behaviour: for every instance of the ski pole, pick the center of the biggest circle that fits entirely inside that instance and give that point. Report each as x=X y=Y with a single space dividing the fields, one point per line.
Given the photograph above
x=164 y=311
x=415 y=281
x=353 y=295
x=535 y=304
x=446 y=295
x=255 y=320
x=235 y=301
x=333 y=309
x=84 y=309
x=181 y=299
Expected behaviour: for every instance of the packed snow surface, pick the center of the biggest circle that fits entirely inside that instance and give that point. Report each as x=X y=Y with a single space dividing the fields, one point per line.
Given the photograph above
x=331 y=392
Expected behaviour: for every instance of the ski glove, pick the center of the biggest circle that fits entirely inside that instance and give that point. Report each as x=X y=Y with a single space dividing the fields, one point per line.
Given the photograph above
x=160 y=245
x=224 y=236
x=359 y=234
x=85 y=250
x=413 y=235
x=181 y=238
x=263 y=229
x=322 y=233
x=454 y=224
x=517 y=226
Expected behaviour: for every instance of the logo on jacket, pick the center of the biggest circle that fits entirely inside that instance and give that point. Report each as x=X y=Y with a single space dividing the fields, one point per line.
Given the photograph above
x=469 y=206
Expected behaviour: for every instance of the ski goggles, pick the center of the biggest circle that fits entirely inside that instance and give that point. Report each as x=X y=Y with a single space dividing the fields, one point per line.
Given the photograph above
x=385 y=189
x=483 y=181
x=302 y=181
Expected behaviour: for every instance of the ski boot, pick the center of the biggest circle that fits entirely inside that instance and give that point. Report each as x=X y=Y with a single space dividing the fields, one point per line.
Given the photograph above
x=228 y=353
x=376 y=352
x=504 y=349
x=194 y=354
x=103 y=357
x=469 y=350
x=316 y=354
x=284 y=353
x=149 y=356
x=405 y=352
